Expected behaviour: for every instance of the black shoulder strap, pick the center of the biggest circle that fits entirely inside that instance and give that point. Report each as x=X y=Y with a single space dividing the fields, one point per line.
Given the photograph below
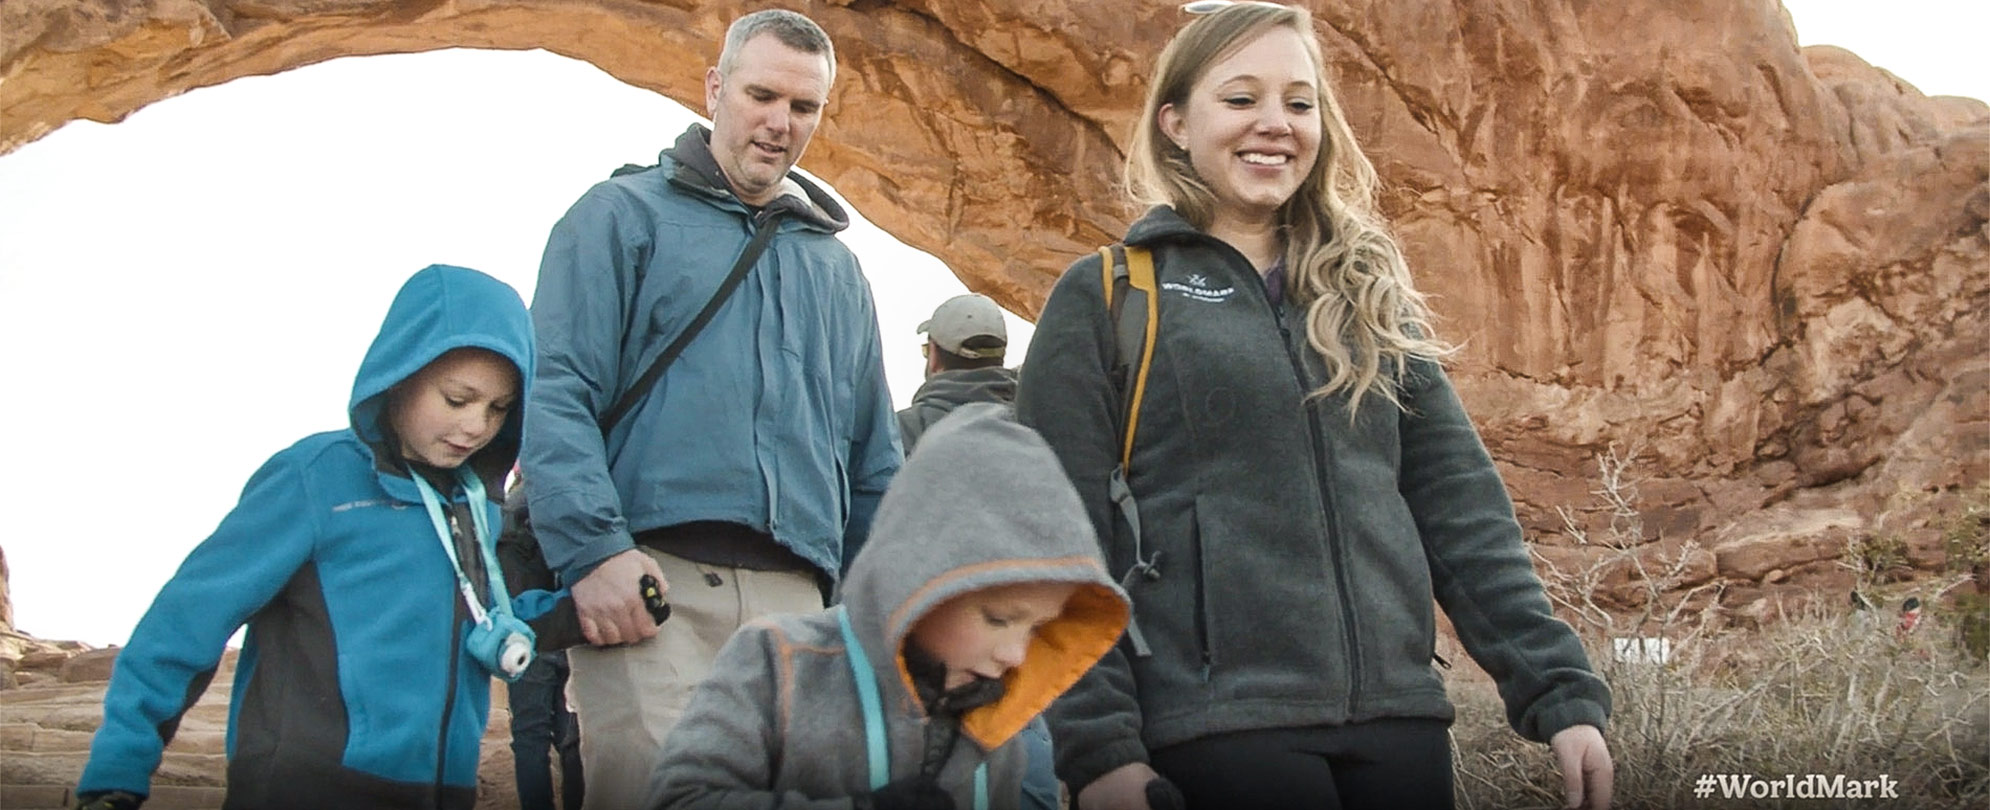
x=635 y=393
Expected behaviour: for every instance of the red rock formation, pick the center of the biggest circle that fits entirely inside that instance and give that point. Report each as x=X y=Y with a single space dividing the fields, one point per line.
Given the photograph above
x=1658 y=225
x=6 y=604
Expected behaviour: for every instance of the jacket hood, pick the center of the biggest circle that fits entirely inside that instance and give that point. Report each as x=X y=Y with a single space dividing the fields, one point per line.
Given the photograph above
x=951 y=389
x=438 y=309
x=983 y=503
x=800 y=199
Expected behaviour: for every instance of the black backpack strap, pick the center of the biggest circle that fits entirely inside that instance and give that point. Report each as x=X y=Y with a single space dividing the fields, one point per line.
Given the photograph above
x=1132 y=304
x=1114 y=283
x=632 y=168
x=634 y=394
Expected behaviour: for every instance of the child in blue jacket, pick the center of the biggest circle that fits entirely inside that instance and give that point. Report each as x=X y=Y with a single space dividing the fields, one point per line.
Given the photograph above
x=360 y=559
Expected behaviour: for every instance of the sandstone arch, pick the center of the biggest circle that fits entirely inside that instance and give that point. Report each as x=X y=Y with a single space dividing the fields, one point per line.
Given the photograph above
x=1653 y=218
x=945 y=129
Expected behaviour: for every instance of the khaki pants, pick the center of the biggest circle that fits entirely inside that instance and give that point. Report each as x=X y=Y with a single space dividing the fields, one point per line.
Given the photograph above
x=627 y=698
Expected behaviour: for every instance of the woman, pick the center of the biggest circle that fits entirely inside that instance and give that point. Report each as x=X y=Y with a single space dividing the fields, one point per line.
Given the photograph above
x=1306 y=478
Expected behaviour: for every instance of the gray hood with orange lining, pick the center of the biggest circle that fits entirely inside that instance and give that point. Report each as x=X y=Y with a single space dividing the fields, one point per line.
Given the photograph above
x=981 y=503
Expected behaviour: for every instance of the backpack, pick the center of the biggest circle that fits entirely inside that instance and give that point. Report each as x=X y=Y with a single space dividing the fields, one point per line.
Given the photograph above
x=1133 y=305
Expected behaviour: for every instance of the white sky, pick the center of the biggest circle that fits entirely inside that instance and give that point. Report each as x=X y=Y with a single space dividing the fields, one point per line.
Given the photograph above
x=189 y=291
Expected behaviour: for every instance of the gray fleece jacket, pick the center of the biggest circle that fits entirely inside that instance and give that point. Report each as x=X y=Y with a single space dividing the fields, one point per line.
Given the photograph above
x=1296 y=553
x=981 y=504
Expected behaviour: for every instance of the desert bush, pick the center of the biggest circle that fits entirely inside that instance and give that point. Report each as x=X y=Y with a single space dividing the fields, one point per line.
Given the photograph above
x=1826 y=690
x=1966 y=543
x=1966 y=534
x=1877 y=558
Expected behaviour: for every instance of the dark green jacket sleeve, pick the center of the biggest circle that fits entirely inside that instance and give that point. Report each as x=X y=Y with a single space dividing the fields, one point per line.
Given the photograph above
x=1480 y=569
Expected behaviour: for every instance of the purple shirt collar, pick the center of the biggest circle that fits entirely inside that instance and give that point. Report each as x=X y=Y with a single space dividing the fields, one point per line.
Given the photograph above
x=1274 y=283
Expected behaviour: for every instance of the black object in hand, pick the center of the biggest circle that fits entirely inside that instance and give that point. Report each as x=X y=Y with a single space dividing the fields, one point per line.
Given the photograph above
x=1163 y=795
x=109 y=800
x=559 y=629
x=912 y=793
x=653 y=599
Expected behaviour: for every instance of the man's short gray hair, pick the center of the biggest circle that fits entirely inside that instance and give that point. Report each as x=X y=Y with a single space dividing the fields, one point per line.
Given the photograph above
x=794 y=30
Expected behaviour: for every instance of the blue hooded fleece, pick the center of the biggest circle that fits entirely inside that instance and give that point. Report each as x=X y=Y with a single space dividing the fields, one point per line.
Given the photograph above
x=353 y=689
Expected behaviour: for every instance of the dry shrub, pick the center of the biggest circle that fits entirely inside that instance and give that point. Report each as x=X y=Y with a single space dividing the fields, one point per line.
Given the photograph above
x=1828 y=690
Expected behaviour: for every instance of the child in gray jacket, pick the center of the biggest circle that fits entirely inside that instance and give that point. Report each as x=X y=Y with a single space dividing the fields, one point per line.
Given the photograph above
x=979 y=598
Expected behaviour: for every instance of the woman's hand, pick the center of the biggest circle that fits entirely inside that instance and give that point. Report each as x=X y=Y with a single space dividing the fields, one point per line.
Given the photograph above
x=1122 y=788
x=1586 y=768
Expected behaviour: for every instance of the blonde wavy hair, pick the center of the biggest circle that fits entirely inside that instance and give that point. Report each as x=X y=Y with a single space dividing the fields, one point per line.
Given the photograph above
x=1363 y=314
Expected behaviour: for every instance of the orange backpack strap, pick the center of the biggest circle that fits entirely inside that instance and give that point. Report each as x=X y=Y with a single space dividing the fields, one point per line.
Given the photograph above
x=1133 y=306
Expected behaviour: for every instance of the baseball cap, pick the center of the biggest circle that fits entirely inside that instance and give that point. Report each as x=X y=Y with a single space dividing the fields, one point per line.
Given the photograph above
x=968 y=316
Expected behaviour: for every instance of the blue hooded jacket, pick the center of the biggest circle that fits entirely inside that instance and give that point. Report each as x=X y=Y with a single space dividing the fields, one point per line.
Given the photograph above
x=353 y=688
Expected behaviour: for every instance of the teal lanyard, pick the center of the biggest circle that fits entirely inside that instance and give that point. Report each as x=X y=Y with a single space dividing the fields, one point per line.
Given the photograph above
x=874 y=736
x=473 y=488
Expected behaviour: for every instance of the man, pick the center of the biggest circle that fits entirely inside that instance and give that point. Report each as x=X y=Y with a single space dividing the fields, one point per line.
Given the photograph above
x=746 y=477
x=965 y=343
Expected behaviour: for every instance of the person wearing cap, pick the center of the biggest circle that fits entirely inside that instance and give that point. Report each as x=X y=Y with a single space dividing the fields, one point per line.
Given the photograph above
x=966 y=342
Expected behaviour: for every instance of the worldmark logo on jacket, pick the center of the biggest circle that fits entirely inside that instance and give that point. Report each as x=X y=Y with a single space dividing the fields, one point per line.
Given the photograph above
x=1196 y=287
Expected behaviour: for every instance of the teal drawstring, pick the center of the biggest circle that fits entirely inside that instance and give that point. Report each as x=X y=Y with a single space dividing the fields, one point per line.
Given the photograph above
x=867 y=694
x=874 y=735
x=473 y=490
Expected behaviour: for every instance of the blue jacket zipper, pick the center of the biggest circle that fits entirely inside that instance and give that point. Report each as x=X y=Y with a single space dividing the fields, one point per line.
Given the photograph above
x=457 y=615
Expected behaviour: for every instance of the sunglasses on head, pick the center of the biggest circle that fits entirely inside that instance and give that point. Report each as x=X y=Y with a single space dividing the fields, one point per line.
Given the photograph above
x=1213 y=6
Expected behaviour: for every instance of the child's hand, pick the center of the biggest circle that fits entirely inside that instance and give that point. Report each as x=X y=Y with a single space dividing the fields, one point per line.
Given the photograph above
x=610 y=602
x=1122 y=788
x=109 y=800
x=912 y=793
x=1587 y=771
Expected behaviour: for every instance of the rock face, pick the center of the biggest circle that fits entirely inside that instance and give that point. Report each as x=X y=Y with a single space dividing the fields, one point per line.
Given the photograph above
x=22 y=656
x=6 y=604
x=1658 y=225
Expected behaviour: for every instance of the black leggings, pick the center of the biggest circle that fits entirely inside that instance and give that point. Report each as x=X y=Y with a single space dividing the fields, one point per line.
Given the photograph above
x=1389 y=763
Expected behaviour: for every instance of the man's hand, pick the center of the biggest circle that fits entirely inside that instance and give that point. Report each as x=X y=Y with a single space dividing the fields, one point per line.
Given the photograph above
x=1122 y=788
x=1587 y=771
x=610 y=599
